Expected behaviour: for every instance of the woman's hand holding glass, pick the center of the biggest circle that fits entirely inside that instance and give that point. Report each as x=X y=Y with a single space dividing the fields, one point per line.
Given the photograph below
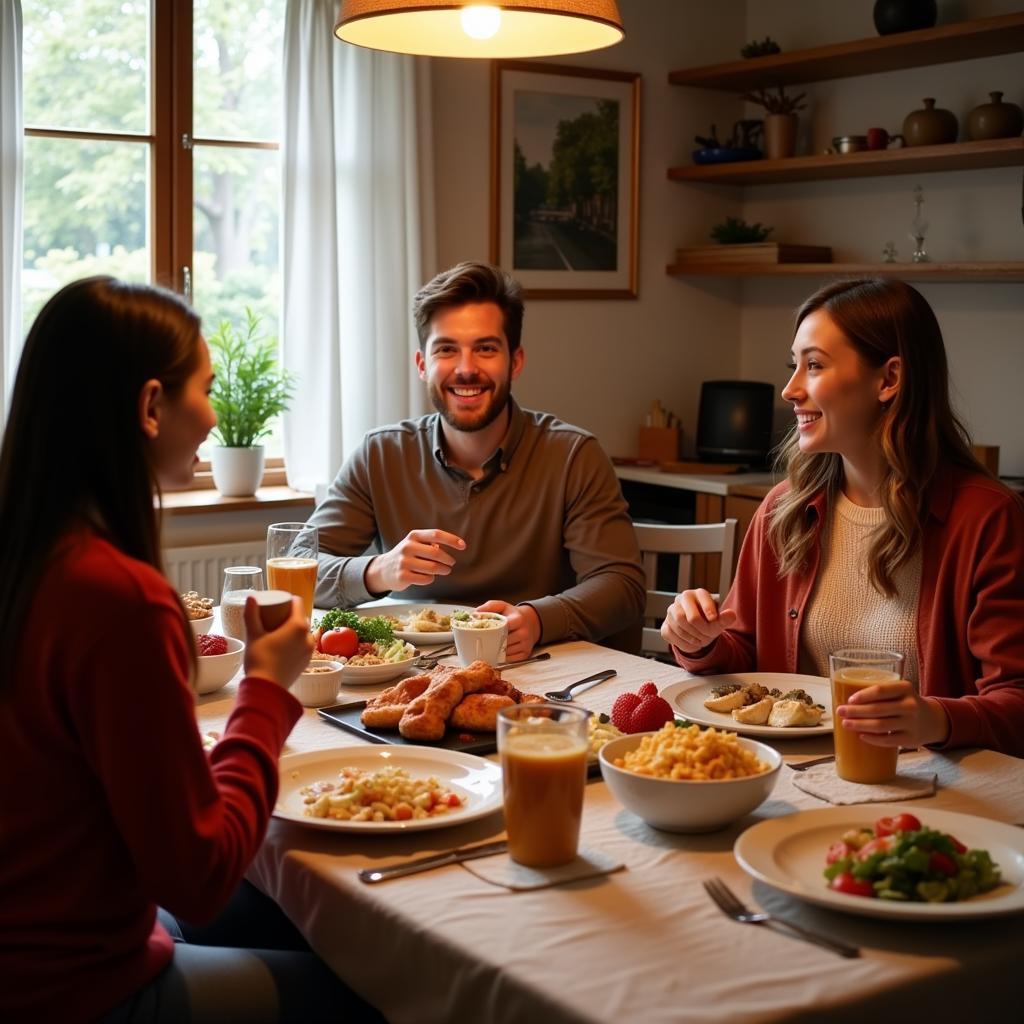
x=693 y=621
x=894 y=715
x=281 y=654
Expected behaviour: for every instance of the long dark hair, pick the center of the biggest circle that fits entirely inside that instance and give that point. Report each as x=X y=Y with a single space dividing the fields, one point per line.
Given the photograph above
x=73 y=449
x=917 y=433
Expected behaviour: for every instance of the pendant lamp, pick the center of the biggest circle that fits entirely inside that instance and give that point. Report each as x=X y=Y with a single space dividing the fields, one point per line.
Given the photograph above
x=500 y=28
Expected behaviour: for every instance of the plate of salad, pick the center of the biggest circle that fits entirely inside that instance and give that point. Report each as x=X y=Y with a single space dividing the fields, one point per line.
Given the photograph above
x=367 y=646
x=879 y=860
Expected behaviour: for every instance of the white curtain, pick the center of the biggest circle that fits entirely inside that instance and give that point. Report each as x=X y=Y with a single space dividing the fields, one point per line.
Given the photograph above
x=358 y=239
x=11 y=166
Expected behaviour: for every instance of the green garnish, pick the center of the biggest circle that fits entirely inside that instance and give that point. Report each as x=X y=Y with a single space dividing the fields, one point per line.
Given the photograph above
x=375 y=629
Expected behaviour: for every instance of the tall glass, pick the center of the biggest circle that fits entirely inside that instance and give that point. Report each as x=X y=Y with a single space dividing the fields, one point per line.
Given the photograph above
x=543 y=750
x=853 y=669
x=292 y=550
x=239 y=582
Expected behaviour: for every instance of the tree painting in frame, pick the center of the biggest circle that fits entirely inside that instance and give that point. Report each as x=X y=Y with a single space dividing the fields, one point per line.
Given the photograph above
x=564 y=179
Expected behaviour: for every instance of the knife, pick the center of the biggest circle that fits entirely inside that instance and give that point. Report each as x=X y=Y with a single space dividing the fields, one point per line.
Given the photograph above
x=525 y=661
x=434 y=860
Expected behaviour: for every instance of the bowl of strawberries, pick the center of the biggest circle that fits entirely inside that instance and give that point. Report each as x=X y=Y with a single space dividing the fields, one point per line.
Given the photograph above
x=220 y=657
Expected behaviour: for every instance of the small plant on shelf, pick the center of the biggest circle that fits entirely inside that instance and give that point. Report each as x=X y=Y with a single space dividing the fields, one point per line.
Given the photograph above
x=777 y=102
x=735 y=231
x=761 y=48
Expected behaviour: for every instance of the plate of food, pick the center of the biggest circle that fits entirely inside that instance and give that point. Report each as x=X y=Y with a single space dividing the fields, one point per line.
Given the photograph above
x=426 y=625
x=755 y=703
x=970 y=866
x=386 y=789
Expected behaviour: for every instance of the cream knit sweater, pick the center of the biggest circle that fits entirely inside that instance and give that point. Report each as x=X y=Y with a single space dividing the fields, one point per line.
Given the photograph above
x=844 y=610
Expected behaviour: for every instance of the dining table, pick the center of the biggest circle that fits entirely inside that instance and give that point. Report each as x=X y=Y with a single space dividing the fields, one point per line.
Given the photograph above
x=641 y=944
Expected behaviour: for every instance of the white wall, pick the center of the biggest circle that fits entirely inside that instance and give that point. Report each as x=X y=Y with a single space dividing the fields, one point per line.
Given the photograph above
x=599 y=364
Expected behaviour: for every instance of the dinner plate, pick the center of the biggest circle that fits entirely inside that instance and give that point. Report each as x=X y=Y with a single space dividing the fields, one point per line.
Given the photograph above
x=398 y=609
x=687 y=698
x=789 y=854
x=477 y=781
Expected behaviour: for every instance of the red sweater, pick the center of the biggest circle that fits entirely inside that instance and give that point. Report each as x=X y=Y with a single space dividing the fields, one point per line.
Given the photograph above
x=970 y=614
x=108 y=803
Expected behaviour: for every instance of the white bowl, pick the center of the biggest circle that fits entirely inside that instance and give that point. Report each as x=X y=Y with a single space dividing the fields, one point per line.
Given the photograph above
x=320 y=688
x=359 y=675
x=684 y=805
x=201 y=626
x=217 y=669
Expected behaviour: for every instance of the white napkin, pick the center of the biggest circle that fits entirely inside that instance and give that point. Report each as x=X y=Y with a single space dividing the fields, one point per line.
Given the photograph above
x=502 y=870
x=913 y=780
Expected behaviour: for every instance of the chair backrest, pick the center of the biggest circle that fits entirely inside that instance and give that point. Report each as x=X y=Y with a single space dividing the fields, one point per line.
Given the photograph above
x=684 y=542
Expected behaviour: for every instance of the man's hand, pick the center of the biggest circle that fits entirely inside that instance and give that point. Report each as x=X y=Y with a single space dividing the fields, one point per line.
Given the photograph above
x=693 y=621
x=413 y=561
x=523 y=627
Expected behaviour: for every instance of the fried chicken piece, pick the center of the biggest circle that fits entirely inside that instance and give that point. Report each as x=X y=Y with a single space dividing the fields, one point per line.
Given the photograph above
x=502 y=688
x=475 y=676
x=386 y=709
x=478 y=712
x=532 y=698
x=425 y=717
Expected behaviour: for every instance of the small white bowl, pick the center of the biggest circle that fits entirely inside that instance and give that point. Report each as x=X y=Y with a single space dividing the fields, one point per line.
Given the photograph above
x=215 y=670
x=316 y=688
x=687 y=805
x=201 y=626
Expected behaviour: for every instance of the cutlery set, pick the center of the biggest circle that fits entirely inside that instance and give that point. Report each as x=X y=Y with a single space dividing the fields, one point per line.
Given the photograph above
x=434 y=860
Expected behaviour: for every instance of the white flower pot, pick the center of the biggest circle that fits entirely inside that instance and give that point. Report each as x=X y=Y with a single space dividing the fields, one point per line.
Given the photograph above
x=237 y=472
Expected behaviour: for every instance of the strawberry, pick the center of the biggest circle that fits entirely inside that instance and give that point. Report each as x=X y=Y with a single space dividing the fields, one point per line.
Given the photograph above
x=649 y=715
x=211 y=643
x=623 y=707
x=647 y=689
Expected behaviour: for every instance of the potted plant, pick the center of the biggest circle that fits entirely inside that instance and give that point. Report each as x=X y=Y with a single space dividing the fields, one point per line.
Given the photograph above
x=249 y=391
x=780 y=120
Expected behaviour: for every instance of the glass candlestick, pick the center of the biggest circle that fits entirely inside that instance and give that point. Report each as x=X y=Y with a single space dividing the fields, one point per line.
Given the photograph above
x=918 y=227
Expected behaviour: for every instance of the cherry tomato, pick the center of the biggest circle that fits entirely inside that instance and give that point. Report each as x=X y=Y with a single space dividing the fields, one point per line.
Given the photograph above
x=942 y=863
x=341 y=642
x=897 y=823
x=845 y=882
x=957 y=845
x=837 y=851
x=883 y=844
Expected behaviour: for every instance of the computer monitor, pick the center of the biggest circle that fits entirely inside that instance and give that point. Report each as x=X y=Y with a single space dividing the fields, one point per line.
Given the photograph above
x=734 y=422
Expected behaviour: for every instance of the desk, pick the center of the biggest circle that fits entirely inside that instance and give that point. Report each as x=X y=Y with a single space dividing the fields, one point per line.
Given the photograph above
x=645 y=944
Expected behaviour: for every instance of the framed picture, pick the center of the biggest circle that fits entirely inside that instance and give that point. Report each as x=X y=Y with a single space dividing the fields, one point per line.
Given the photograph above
x=565 y=153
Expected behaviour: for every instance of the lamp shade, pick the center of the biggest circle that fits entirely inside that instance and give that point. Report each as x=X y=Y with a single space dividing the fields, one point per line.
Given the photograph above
x=486 y=28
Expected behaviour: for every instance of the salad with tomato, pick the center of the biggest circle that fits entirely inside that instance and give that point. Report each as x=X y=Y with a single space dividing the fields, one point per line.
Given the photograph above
x=901 y=859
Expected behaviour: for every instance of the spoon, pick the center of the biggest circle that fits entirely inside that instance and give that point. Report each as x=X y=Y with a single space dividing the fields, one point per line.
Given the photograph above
x=566 y=694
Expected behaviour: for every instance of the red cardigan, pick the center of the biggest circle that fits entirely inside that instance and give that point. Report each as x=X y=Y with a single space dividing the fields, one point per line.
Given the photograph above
x=970 y=614
x=108 y=803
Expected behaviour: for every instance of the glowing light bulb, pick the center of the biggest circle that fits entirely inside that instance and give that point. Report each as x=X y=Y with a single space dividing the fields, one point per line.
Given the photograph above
x=480 y=22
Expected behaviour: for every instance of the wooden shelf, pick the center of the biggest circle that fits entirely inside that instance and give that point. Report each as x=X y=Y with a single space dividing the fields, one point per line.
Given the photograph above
x=965 y=40
x=960 y=271
x=954 y=156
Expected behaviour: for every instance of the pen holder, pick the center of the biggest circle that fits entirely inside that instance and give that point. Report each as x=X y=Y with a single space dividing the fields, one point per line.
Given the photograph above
x=660 y=444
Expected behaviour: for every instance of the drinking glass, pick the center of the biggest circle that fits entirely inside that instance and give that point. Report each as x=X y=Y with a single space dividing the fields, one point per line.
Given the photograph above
x=852 y=669
x=239 y=582
x=292 y=550
x=543 y=749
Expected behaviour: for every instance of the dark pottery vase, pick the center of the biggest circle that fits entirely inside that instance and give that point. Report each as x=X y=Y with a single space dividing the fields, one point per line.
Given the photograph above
x=931 y=126
x=903 y=15
x=995 y=120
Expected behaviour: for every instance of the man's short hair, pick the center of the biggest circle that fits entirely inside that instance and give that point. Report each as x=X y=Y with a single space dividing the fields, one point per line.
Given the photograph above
x=471 y=282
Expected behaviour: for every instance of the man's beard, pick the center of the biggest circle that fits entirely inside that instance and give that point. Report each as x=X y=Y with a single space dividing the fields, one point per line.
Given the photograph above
x=471 y=422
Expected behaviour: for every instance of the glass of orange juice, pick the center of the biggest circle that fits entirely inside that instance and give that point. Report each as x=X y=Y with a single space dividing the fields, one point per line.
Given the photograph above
x=852 y=669
x=543 y=749
x=292 y=550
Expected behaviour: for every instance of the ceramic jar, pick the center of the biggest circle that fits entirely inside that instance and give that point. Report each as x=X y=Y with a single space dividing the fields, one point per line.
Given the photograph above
x=995 y=120
x=931 y=126
x=903 y=15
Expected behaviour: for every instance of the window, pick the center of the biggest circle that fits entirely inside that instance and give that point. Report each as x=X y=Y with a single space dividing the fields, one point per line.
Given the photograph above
x=152 y=129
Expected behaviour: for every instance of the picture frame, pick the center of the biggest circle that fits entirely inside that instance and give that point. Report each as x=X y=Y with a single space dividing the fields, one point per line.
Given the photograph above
x=565 y=163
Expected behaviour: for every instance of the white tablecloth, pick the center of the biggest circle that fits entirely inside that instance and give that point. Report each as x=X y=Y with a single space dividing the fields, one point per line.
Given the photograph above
x=644 y=944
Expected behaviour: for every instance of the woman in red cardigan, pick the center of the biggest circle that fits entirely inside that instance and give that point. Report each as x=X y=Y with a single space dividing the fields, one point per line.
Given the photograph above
x=109 y=806
x=886 y=533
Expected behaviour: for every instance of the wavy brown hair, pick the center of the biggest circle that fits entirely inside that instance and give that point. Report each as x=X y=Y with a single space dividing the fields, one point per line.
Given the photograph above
x=73 y=449
x=918 y=430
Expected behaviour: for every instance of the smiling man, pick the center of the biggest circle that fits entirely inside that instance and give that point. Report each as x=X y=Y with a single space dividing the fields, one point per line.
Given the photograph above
x=482 y=502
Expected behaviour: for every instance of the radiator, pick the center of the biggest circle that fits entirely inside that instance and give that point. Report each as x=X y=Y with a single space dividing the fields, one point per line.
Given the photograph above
x=202 y=568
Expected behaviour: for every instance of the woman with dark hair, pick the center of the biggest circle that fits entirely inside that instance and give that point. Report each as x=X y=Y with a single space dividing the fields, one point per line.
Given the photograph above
x=108 y=803
x=887 y=533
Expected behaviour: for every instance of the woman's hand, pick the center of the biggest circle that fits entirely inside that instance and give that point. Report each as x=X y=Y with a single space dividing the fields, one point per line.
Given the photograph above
x=693 y=621
x=893 y=715
x=283 y=653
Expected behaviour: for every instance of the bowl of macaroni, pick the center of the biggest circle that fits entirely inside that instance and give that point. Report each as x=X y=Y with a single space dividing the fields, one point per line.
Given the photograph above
x=688 y=779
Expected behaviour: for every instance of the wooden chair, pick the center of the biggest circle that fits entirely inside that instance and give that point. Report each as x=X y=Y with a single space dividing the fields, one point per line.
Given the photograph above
x=685 y=542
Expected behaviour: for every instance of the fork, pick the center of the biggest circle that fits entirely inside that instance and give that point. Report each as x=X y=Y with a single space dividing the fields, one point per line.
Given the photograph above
x=430 y=660
x=566 y=694
x=727 y=902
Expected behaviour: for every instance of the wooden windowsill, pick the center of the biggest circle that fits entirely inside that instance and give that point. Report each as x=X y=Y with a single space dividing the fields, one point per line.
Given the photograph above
x=202 y=502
